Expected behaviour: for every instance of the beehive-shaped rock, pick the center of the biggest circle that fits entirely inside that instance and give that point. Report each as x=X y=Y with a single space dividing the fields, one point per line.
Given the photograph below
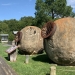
x=30 y=40
x=61 y=46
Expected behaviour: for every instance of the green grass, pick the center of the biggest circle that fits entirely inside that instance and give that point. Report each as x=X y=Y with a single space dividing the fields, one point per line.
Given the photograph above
x=38 y=64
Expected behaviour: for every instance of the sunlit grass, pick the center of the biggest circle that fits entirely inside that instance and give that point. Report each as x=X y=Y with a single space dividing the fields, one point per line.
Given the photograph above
x=38 y=64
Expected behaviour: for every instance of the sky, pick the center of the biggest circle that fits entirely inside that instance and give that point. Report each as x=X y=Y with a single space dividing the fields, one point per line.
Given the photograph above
x=72 y=4
x=15 y=9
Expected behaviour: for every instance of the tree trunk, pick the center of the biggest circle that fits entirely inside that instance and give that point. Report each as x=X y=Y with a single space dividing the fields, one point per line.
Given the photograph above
x=52 y=14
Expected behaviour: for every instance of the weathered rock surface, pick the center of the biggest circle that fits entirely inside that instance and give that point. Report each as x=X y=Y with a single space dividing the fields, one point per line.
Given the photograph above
x=61 y=46
x=5 y=69
x=31 y=41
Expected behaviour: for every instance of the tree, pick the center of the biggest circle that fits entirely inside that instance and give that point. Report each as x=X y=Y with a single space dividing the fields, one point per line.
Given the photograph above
x=13 y=25
x=0 y=26
x=4 y=28
x=11 y=36
x=62 y=10
x=72 y=14
x=26 y=21
x=53 y=8
x=40 y=16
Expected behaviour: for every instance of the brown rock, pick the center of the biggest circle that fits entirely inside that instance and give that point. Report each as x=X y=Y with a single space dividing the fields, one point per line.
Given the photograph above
x=30 y=40
x=61 y=46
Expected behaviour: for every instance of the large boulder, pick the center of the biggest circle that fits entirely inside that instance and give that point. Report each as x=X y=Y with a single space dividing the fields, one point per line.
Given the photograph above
x=59 y=40
x=29 y=40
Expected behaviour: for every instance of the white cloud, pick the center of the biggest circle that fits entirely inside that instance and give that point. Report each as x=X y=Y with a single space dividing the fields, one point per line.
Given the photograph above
x=7 y=4
x=71 y=3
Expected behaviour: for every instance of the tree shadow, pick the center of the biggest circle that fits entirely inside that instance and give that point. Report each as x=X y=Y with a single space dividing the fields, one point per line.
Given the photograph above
x=43 y=58
x=47 y=74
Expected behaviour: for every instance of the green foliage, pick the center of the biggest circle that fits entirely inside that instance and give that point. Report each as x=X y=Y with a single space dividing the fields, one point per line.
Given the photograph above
x=67 y=12
x=4 y=28
x=27 y=20
x=11 y=36
x=46 y=10
x=40 y=16
x=59 y=6
x=72 y=14
x=0 y=39
x=52 y=8
x=8 y=26
x=13 y=25
x=38 y=64
x=49 y=10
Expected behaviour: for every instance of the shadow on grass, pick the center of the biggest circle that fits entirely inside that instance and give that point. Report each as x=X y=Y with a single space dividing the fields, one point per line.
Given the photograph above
x=42 y=58
x=7 y=58
x=47 y=74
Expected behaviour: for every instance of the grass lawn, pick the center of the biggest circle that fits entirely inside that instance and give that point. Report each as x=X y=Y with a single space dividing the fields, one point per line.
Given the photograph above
x=38 y=64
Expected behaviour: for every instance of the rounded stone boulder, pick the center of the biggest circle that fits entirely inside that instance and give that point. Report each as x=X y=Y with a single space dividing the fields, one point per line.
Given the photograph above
x=59 y=40
x=29 y=40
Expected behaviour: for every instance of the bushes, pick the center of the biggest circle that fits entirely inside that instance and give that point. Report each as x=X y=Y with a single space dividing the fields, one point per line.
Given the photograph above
x=11 y=36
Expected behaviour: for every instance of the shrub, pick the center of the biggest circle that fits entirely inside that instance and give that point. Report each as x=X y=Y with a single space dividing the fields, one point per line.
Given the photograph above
x=11 y=36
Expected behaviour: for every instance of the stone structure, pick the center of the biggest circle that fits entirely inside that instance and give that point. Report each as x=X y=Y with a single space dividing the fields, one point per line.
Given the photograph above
x=29 y=40
x=61 y=46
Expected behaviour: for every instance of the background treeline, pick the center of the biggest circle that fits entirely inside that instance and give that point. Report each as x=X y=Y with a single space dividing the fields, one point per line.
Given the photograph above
x=46 y=10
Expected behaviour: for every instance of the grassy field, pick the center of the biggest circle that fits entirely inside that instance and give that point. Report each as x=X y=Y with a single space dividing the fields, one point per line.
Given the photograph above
x=38 y=64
